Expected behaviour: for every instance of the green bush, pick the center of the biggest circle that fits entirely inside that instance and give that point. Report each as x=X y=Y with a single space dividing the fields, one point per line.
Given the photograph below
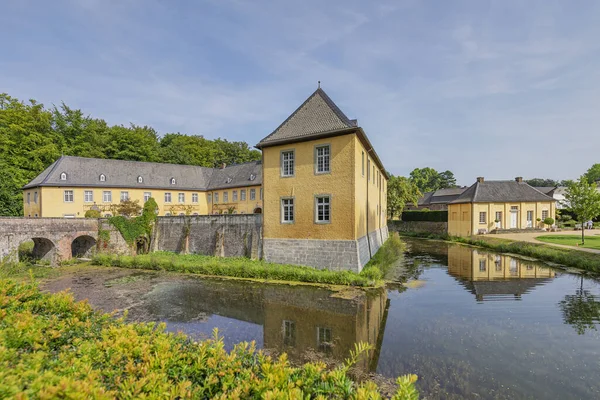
x=386 y=257
x=421 y=215
x=54 y=347
x=549 y=221
x=92 y=214
x=237 y=267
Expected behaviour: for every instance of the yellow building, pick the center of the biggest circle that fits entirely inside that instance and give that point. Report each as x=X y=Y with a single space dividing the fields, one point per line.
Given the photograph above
x=489 y=205
x=325 y=190
x=72 y=185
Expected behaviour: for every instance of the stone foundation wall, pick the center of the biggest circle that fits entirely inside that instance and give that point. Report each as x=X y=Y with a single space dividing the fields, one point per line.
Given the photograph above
x=418 y=226
x=227 y=235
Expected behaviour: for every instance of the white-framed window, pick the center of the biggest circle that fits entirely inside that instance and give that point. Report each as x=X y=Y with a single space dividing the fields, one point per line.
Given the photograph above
x=167 y=197
x=289 y=333
x=287 y=163
x=362 y=165
x=252 y=177
x=181 y=198
x=102 y=178
x=287 y=210
x=35 y=197
x=514 y=208
x=194 y=197
x=498 y=263
x=252 y=194
x=216 y=197
x=88 y=196
x=68 y=196
x=324 y=339
x=482 y=265
x=322 y=159
x=261 y=193
x=482 y=217
x=228 y=180
x=173 y=181
x=234 y=195
x=373 y=174
x=209 y=198
x=28 y=198
x=545 y=214
x=243 y=195
x=63 y=176
x=530 y=219
x=147 y=196
x=124 y=196
x=107 y=196
x=322 y=209
x=225 y=197
x=499 y=219
x=140 y=179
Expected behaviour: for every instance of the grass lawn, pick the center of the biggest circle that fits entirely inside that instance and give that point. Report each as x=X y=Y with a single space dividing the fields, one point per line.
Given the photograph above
x=591 y=242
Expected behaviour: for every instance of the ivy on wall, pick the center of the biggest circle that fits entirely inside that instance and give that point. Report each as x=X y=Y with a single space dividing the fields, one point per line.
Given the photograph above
x=139 y=228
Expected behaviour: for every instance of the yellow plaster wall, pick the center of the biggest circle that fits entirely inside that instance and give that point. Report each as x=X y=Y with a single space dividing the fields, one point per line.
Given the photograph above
x=376 y=186
x=303 y=187
x=32 y=208
x=468 y=224
x=55 y=206
x=239 y=207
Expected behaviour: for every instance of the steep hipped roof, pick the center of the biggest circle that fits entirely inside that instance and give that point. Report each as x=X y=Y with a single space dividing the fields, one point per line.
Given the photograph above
x=441 y=196
x=318 y=117
x=85 y=172
x=500 y=192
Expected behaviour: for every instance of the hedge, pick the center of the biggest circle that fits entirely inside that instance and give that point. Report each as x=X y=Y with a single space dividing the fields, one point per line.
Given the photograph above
x=432 y=216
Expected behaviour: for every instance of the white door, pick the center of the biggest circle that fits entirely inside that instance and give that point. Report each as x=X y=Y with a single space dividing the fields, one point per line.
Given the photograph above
x=513 y=219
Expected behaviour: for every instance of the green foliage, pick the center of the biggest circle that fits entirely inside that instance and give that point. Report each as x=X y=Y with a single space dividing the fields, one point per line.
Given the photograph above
x=581 y=310
x=429 y=180
x=549 y=221
x=401 y=191
x=92 y=214
x=539 y=182
x=137 y=228
x=127 y=208
x=54 y=347
x=233 y=267
x=593 y=174
x=32 y=138
x=422 y=215
x=387 y=256
x=584 y=200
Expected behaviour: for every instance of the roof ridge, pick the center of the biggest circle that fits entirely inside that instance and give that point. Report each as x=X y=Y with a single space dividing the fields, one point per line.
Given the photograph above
x=56 y=163
x=476 y=190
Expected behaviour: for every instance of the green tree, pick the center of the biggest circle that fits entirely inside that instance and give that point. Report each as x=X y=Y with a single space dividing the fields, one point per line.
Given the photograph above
x=401 y=191
x=176 y=148
x=539 y=182
x=133 y=143
x=584 y=200
x=593 y=174
x=428 y=179
x=234 y=152
x=581 y=310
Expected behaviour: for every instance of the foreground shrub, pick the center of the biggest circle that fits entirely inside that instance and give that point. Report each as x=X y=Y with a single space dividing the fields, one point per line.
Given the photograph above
x=234 y=267
x=387 y=256
x=54 y=347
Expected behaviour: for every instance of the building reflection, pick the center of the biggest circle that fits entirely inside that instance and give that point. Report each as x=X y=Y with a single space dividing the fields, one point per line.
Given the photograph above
x=303 y=321
x=492 y=276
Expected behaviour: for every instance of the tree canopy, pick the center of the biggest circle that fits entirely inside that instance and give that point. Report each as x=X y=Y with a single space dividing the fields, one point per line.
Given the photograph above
x=32 y=137
x=584 y=200
x=401 y=191
x=593 y=174
x=428 y=179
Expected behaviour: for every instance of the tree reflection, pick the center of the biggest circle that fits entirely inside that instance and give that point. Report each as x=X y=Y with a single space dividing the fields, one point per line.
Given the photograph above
x=581 y=310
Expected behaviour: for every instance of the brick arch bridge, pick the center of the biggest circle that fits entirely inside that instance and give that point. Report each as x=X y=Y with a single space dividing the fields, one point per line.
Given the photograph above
x=55 y=239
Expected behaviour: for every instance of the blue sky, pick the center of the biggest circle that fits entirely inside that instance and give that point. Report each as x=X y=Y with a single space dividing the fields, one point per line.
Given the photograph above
x=482 y=88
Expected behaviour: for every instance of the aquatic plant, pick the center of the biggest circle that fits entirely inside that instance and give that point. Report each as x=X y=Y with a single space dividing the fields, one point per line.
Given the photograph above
x=54 y=347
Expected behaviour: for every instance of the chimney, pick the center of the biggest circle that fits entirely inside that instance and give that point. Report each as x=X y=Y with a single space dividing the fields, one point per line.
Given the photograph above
x=480 y=179
x=223 y=166
x=519 y=179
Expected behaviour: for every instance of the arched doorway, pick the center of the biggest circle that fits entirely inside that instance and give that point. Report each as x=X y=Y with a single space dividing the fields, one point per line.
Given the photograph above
x=258 y=210
x=82 y=246
x=43 y=249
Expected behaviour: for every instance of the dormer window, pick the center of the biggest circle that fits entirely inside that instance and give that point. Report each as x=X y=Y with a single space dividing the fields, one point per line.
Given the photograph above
x=102 y=178
x=140 y=179
x=172 y=181
x=229 y=180
x=252 y=177
x=63 y=176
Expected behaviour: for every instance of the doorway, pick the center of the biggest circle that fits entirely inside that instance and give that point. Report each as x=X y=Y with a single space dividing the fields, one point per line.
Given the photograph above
x=514 y=217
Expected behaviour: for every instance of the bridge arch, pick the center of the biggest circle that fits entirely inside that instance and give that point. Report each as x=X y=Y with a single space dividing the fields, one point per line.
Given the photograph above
x=44 y=249
x=83 y=246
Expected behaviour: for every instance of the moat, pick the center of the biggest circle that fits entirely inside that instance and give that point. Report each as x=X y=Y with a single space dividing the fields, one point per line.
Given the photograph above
x=471 y=324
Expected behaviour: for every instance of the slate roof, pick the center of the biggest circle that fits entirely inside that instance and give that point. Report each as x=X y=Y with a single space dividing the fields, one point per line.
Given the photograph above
x=441 y=196
x=318 y=114
x=546 y=189
x=318 y=117
x=85 y=172
x=501 y=192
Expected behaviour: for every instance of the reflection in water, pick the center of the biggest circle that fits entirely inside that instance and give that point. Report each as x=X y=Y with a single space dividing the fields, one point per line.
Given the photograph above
x=581 y=310
x=491 y=276
x=296 y=320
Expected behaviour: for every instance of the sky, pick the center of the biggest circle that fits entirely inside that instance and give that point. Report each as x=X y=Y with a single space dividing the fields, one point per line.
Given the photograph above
x=481 y=88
